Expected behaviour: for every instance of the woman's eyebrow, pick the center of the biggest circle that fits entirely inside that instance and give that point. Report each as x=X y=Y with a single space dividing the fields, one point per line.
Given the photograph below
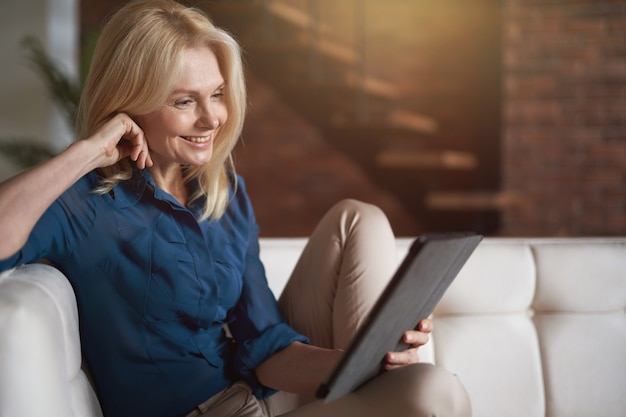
x=195 y=90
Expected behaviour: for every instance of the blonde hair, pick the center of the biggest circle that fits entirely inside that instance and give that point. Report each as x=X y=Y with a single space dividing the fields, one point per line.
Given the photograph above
x=134 y=67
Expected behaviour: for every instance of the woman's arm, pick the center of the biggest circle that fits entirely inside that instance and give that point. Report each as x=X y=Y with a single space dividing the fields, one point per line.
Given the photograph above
x=301 y=368
x=25 y=197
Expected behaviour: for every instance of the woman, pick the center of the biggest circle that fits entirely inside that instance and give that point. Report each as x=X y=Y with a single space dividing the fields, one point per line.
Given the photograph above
x=155 y=231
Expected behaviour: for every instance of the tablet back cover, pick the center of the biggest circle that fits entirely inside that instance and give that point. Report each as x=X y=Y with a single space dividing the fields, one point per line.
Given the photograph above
x=415 y=289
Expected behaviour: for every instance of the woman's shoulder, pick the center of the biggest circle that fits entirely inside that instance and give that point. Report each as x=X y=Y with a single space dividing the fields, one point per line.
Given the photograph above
x=237 y=182
x=84 y=186
x=76 y=195
x=82 y=193
x=237 y=189
x=240 y=204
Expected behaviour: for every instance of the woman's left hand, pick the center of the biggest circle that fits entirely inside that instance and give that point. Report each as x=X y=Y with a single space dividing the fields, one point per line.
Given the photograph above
x=415 y=339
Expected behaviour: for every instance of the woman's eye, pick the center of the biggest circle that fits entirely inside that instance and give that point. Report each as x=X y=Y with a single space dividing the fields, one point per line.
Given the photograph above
x=218 y=95
x=183 y=103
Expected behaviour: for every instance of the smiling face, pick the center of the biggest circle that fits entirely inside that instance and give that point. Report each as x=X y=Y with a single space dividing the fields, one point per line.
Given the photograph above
x=182 y=132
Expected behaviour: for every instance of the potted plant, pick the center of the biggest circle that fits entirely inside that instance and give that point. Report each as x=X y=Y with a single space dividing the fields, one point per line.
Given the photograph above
x=65 y=92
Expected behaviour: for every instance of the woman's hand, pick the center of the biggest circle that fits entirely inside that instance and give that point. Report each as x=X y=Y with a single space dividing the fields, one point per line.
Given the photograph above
x=415 y=339
x=121 y=137
x=25 y=197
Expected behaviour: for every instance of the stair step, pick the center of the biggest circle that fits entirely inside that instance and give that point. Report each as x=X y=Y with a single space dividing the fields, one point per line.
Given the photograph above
x=470 y=200
x=301 y=45
x=291 y=14
x=384 y=123
x=232 y=11
x=427 y=159
x=297 y=20
x=413 y=121
x=339 y=88
x=342 y=105
x=306 y=39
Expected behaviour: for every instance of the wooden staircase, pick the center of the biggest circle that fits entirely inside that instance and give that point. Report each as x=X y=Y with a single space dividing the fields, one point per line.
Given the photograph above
x=327 y=82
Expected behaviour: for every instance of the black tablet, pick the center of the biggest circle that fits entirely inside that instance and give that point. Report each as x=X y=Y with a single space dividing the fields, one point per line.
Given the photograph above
x=432 y=263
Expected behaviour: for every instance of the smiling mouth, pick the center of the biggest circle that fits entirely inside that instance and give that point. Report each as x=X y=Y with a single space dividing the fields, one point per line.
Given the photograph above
x=197 y=139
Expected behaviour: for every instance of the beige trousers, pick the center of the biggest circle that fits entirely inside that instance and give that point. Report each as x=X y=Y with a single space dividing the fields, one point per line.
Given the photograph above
x=344 y=267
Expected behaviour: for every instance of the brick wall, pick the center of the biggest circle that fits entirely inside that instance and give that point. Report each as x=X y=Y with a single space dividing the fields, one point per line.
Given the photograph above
x=564 y=138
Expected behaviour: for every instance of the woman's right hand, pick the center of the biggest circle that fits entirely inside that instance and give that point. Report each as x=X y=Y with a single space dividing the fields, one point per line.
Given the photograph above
x=24 y=197
x=120 y=137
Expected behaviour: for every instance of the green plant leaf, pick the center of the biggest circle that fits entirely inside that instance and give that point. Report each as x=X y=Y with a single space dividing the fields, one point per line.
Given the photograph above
x=26 y=152
x=64 y=91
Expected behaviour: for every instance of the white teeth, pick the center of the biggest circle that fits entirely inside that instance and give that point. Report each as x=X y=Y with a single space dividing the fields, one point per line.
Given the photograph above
x=199 y=139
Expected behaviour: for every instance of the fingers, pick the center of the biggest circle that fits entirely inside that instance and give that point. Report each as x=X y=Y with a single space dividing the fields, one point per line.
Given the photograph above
x=139 y=146
x=413 y=338
x=141 y=156
x=122 y=137
x=425 y=325
x=144 y=160
x=420 y=335
x=398 y=359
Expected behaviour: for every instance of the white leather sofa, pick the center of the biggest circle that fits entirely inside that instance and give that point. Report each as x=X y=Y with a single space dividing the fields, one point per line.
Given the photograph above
x=533 y=327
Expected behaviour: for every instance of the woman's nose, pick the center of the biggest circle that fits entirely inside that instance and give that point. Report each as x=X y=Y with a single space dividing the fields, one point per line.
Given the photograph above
x=207 y=118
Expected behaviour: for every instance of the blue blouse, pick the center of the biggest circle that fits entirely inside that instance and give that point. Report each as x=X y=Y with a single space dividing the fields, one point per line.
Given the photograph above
x=155 y=288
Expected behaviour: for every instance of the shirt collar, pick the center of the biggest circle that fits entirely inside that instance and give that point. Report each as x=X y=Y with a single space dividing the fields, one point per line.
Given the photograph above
x=129 y=192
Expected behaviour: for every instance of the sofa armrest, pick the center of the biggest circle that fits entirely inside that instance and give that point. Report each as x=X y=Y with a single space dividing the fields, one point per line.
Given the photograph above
x=40 y=354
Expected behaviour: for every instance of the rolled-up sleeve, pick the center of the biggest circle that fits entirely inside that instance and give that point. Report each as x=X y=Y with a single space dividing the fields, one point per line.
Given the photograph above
x=258 y=328
x=60 y=228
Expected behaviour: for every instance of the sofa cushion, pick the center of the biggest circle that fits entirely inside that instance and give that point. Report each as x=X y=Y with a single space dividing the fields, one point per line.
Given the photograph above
x=579 y=314
x=498 y=359
x=484 y=331
x=583 y=275
x=499 y=278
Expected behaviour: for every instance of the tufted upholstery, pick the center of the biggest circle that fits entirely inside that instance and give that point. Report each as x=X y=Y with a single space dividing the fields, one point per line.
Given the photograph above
x=538 y=328
x=534 y=328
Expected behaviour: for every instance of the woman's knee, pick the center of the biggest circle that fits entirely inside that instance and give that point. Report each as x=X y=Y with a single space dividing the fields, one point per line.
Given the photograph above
x=355 y=216
x=438 y=392
x=359 y=210
x=422 y=390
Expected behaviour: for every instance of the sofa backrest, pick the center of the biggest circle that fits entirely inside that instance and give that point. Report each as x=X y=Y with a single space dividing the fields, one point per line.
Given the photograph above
x=533 y=327
x=537 y=328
